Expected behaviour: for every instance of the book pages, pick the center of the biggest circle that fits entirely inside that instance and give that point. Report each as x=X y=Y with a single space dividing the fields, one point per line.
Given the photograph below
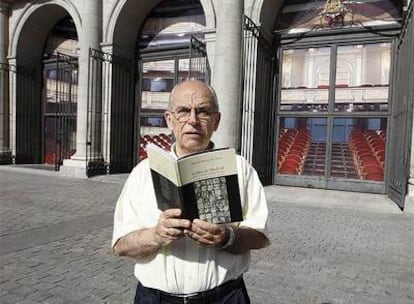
x=163 y=163
x=207 y=165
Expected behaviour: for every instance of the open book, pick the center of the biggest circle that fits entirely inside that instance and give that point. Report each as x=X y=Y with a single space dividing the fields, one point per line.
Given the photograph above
x=203 y=185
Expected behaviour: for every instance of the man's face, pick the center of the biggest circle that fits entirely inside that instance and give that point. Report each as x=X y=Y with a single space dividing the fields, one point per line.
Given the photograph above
x=192 y=117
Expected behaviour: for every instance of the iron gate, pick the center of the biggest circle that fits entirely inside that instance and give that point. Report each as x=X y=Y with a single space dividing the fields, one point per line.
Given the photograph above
x=28 y=115
x=66 y=85
x=402 y=113
x=180 y=62
x=110 y=114
x=122 y=116
x=199 y=67
x=257 y=116
x=5 y=148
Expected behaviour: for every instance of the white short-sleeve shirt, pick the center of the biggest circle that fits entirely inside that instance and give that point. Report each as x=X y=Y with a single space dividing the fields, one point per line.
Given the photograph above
x=183 y=267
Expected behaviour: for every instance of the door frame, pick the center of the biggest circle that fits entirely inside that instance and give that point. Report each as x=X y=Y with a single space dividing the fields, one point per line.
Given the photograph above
x=337 y=38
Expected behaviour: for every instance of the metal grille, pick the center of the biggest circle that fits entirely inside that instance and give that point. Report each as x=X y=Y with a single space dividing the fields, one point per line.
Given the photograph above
x=110 y=119
x=402 y=114
x=66 y=107
x=28 y=115
x=112 y=115
x=257 y=100
x=5 y=148
x=94 y=158
x=199 y=67
x=122 y=116
x=170 y=66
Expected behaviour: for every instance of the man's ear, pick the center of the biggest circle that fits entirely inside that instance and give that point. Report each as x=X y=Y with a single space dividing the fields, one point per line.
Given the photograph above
x=217 y=121
x=168 y=116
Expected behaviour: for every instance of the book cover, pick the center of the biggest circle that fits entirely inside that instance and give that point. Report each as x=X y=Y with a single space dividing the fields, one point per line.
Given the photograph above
x=203 y=185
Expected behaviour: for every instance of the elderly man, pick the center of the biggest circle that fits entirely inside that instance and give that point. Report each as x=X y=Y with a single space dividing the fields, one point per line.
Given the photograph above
x=182 y=261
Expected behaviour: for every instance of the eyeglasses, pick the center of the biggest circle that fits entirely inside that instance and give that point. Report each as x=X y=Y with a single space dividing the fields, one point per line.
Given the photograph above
x=183 y=114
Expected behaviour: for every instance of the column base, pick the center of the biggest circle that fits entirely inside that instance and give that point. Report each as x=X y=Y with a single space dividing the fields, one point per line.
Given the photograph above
x=73 y=168
x=409 y=199
x=6 y=158
x=96 y=167
x=79 y=167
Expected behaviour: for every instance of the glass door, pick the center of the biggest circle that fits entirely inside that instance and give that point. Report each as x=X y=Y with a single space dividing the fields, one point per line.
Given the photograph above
x=333 y=116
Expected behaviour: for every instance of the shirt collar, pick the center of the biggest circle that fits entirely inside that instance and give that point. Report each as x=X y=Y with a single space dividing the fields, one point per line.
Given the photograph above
x=173 y=147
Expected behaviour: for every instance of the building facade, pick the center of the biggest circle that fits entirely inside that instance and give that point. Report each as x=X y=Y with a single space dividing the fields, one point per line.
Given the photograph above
x=313 y=93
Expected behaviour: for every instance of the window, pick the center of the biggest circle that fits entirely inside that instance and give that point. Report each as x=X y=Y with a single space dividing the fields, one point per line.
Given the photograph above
x=305 y=80
x=333 y=112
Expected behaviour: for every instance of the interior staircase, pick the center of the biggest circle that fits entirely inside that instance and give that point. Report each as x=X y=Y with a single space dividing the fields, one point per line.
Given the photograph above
x=341 y=161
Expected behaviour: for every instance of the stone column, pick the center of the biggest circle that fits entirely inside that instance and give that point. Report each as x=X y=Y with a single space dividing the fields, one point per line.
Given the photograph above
x=89 y=37
x=5 y=152
x=227 y=69
x=4 y=31
x=409 y=199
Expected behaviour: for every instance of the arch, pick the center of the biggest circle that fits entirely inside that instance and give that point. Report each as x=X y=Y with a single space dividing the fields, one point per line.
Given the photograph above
x=33 y=28
x=264 y=13
x=126 y=19
x=29 y=36
x=254 y=10
x=344 y=66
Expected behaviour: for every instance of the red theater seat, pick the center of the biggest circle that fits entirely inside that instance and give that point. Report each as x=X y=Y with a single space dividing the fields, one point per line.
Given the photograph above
x=50 y=158
x=371 y=169
x=342 y=85
x=294 y=157
x=287 y=169
x=323 y=86
x=142 y=154
x=375 y=176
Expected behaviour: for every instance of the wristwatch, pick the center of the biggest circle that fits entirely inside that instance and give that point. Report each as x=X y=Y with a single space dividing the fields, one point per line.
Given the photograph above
x=231 y=236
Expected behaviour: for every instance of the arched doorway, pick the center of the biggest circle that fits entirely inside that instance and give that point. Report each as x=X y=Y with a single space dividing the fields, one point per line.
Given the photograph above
x=333 y=103
x=59 y=98
x=137 y=77
x=170 y=50
x=33 y=77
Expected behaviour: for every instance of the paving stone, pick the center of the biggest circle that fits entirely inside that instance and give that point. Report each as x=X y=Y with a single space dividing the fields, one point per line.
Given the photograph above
x=11 y=298
x=27 y=301
x=319 y=253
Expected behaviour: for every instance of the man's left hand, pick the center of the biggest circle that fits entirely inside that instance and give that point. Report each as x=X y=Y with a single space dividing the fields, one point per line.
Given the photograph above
x=206 y=234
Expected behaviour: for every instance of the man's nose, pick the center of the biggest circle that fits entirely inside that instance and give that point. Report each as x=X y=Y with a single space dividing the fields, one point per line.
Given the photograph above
x=193 y=118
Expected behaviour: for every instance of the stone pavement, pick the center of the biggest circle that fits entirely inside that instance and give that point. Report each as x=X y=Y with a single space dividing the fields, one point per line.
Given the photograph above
x=327 y=246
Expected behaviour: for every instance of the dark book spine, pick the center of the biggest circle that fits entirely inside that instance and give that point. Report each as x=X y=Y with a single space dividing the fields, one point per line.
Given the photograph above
x=188 y=198
x=167 y=193
x=234 y=198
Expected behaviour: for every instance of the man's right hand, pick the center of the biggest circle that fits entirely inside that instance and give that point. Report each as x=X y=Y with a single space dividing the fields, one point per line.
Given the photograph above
x=147 y=241
x=170 y=227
